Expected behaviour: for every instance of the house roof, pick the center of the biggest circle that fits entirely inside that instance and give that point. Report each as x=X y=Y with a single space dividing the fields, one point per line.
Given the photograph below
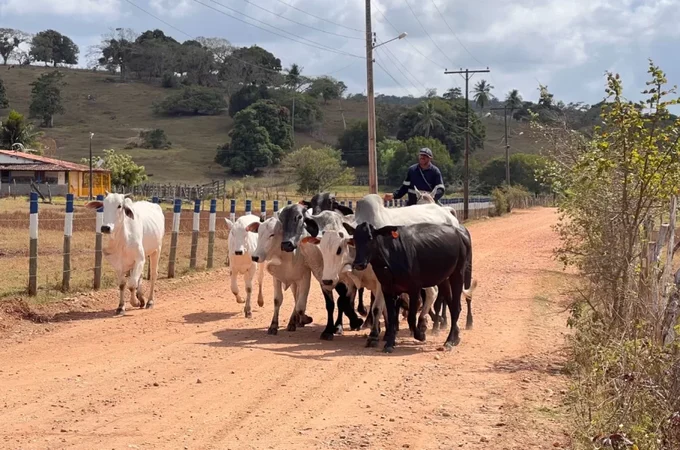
x=44 y=163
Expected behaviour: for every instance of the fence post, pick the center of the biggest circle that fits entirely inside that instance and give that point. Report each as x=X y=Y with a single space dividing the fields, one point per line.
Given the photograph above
x=249 y=206
x=263 y=210
x=97 y=283
x=33 y=256
x=349 y=204
x=276 y=208
x=176 y=210
x=290 y=202
x=211 y=232
x=232 y=210
x=194 y=233
x=68 y=232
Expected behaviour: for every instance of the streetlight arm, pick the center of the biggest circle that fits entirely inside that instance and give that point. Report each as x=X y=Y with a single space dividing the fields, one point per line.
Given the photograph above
x=401 y=36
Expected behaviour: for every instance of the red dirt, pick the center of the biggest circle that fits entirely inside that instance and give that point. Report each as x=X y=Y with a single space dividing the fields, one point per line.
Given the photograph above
x=193 y=373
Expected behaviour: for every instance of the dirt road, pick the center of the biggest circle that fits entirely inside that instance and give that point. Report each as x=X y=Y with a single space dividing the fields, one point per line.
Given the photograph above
x=193 y=373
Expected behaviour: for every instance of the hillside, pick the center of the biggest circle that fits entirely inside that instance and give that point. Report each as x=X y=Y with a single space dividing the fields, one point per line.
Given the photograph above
x=115 y=112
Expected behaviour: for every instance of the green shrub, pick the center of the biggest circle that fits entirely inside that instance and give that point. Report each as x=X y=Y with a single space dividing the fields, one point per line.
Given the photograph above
x=517 y=196
x=500 y=202
x=155 y=139
x=192 y=101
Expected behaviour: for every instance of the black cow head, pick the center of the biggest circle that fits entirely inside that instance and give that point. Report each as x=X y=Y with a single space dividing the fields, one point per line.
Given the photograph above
x=364 y=239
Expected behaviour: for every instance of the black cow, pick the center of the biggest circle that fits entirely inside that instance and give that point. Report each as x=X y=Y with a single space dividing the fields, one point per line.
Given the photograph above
x=408 y=258
x=294 y=221
x=325 y=201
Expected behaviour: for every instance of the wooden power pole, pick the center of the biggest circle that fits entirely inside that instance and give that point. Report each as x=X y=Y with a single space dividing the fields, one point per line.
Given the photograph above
x=466 y=173
x=372 y=154
x=507 y=144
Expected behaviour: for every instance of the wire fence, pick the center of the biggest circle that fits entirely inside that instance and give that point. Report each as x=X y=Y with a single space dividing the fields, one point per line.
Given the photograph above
x=65 y=246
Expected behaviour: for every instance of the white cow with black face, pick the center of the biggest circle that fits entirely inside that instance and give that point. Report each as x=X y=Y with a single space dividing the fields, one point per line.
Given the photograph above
x=135 y=230
x=242 y=244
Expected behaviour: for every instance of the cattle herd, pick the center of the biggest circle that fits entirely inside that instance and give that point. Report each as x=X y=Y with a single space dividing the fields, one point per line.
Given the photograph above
x=417 y=259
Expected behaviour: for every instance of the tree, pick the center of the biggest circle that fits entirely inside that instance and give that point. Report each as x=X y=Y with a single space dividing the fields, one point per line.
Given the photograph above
x=4 y=101
x=453 y=94
x=353 y=143
x=429 y=120
x=327 y=88
x=308 y=113
x=482 y=93
x=545 y=97
x=46 y=97
x=452 y=116
x=220 y=48
x=246 y=96
x=318 y=169
x=16 y=129
x=10 y=40
x=513 y=100
x=192 y=101
x=116 y=54
x=276 y=120
x=197 y=63
x=250 y=148
x=251 y=65
x=50 y=46
x=386 y=149
x=407 y=154
x=524 y=171
x=124 y=171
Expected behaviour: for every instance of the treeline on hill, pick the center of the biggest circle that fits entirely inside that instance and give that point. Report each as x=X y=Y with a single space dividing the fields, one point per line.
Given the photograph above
x=209 y=76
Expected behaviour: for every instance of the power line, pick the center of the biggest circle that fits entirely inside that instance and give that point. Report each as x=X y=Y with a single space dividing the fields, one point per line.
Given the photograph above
x=409 y=42
x=454 y=33
x=390 y=75
x=192 y=37
x=313 y=44
x=406 y=69
x=400 y=71
x=320 y=18
x=428 y=34
x=302 y=24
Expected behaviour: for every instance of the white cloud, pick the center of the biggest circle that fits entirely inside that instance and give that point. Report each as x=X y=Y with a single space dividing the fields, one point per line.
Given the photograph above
x=172 y=8
x=61 y=7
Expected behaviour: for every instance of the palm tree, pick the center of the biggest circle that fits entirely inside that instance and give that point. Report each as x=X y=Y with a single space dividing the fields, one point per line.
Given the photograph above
x=429 y=120
x=483 y=93
x=513 y=100
x=294 y=80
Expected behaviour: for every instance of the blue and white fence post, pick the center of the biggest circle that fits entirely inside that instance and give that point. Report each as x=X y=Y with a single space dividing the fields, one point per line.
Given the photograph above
x=97 y=282
x=156 y=201
x=211 y=232
x=232 y=210
x=290 y=202
x=33 y=255
x=176 y=211
x=68 y=232
x=263 y=210
x=276 y=208
x=194 y=233
x=249 y=206
x=349 y=204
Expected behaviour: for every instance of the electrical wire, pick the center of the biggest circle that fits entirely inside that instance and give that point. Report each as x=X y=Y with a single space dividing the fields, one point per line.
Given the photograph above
x=321 y=18
x=428 y=34
x=454 y=33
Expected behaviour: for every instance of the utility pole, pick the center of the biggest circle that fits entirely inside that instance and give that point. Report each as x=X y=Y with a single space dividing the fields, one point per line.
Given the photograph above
x=466 y=181
x=507 y=144
x=90 y=183
x=372 y=154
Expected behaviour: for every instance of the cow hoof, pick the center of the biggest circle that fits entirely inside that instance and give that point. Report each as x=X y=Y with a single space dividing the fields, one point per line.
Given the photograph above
x=291 y=326
x=372 y=342
x=449 y=345
x=272 y=330
x=120 y=311
x=339 y=330
x=355 y=325
x=362 y=310
x=149 y=305
x=388 y=349
x=249 y=314
x=305 y=319
x=326 y=336
x=240 y=300
x=260 y=302
x=142 y=304
x=468 y=326
x=419 y=335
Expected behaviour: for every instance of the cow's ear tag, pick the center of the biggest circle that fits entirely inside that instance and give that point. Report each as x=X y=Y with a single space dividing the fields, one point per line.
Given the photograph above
x=395 y=234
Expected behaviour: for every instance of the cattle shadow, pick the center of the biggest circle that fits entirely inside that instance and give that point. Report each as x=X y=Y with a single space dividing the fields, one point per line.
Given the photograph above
x=76 y=316
x=205 y=317
x=298 y=344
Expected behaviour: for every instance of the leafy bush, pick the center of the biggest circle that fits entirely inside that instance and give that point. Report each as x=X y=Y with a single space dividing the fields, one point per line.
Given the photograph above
x=517 y=196
x=124 y=171
x=4 y=101
x=16 y=129
x=155 y=139
x=407 y=154
x=317 y=169
x=169 y=80
x=353 y=142
x=523 y=171
x=500 y=202
x=245 y=97
x=192 y=101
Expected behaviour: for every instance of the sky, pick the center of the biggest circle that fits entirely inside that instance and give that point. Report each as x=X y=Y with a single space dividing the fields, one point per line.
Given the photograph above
x=566 y=45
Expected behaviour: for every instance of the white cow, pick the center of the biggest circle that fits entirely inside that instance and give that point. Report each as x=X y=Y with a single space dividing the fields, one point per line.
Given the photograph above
x=135 y=231
x=289 y=269
x=242 y=245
